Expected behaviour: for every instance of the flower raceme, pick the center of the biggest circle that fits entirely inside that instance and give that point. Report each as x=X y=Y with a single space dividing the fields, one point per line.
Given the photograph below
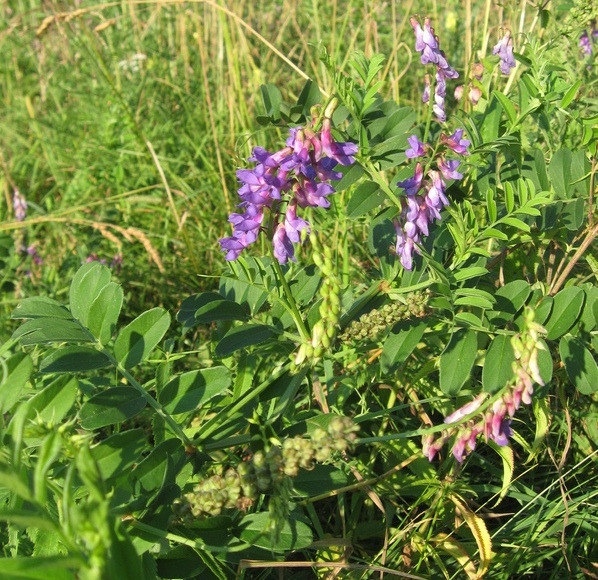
x=494 y=423
x=427 y=44
x=297 y=176
x=425 y=196
x=504 y=49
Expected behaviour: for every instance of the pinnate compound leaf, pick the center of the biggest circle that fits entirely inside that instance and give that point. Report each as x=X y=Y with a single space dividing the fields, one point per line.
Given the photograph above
x=47 y=330
x=401 y=342
x=138 y=339
x=256 y=532
x=188 y=391
x=74 y=359
x=580 y=365
x=86 y=287
x=457 y=361
x=111 y=406
x=40 y=307
x=565 y=310
x=104 y=312
x=498 y=366
x=243 y=337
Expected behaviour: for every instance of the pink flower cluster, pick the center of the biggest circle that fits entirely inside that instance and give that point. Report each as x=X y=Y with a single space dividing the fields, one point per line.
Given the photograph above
x=494 y=423
x=297 y=176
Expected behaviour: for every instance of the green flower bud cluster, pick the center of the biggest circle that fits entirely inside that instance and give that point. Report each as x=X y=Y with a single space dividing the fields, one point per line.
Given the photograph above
x=212 y=495
x=374 y=323
x=324 y=330
x=266 y=471
x=580 y=15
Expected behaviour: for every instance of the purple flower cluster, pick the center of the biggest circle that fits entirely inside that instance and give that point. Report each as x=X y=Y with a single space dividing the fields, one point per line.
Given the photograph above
x=586 y=40
x=425 y=197
x=298 y=175
x=495 y=422
x=427 y=44
x=19 y=205
x=504 y=49
x=32 y=251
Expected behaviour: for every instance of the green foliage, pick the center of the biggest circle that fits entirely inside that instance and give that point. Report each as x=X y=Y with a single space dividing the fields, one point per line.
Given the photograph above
x=294 y=414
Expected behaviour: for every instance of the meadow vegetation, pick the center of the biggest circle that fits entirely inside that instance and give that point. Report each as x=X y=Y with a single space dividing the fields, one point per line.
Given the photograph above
x=391 y=375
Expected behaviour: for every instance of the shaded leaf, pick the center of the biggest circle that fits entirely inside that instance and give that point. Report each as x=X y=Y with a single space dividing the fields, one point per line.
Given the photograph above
x=74 y=359
x=255 y=530
x=209 y=307
x=565 y=310
x=160 y=467
x=111 y=406
x=117 y=453
x=401 y=342
x=51 y=567
x=366 y=197
x=243 y=337
x=510 y=298
x=15 y=374
x=86 y=287
x=40 y=307
x=321 y=479
x=46 y=330
x=580 y=365
x=104 y=312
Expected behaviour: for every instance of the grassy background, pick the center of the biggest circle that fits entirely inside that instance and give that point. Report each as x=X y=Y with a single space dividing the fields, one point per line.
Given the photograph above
x=123 y=123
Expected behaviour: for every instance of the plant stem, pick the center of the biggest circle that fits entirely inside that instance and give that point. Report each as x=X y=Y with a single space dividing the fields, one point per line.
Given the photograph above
x=175 y=428
x=290 y=300
x=214 y=424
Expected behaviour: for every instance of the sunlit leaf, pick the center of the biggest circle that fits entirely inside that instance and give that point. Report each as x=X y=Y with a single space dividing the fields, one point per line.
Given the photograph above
x=188 y=391
x=457 y=361
x=138 y=339
x=498 y=365
x=565 y=310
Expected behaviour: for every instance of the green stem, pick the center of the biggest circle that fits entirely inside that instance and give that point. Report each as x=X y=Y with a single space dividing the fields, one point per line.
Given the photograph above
x=375 y=176
x=175 y=428
x=158 y=533
x=223 y=416
x=289 y=300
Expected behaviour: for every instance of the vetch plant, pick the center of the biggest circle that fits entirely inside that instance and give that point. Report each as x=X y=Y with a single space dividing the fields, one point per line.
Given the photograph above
x=327 y=406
